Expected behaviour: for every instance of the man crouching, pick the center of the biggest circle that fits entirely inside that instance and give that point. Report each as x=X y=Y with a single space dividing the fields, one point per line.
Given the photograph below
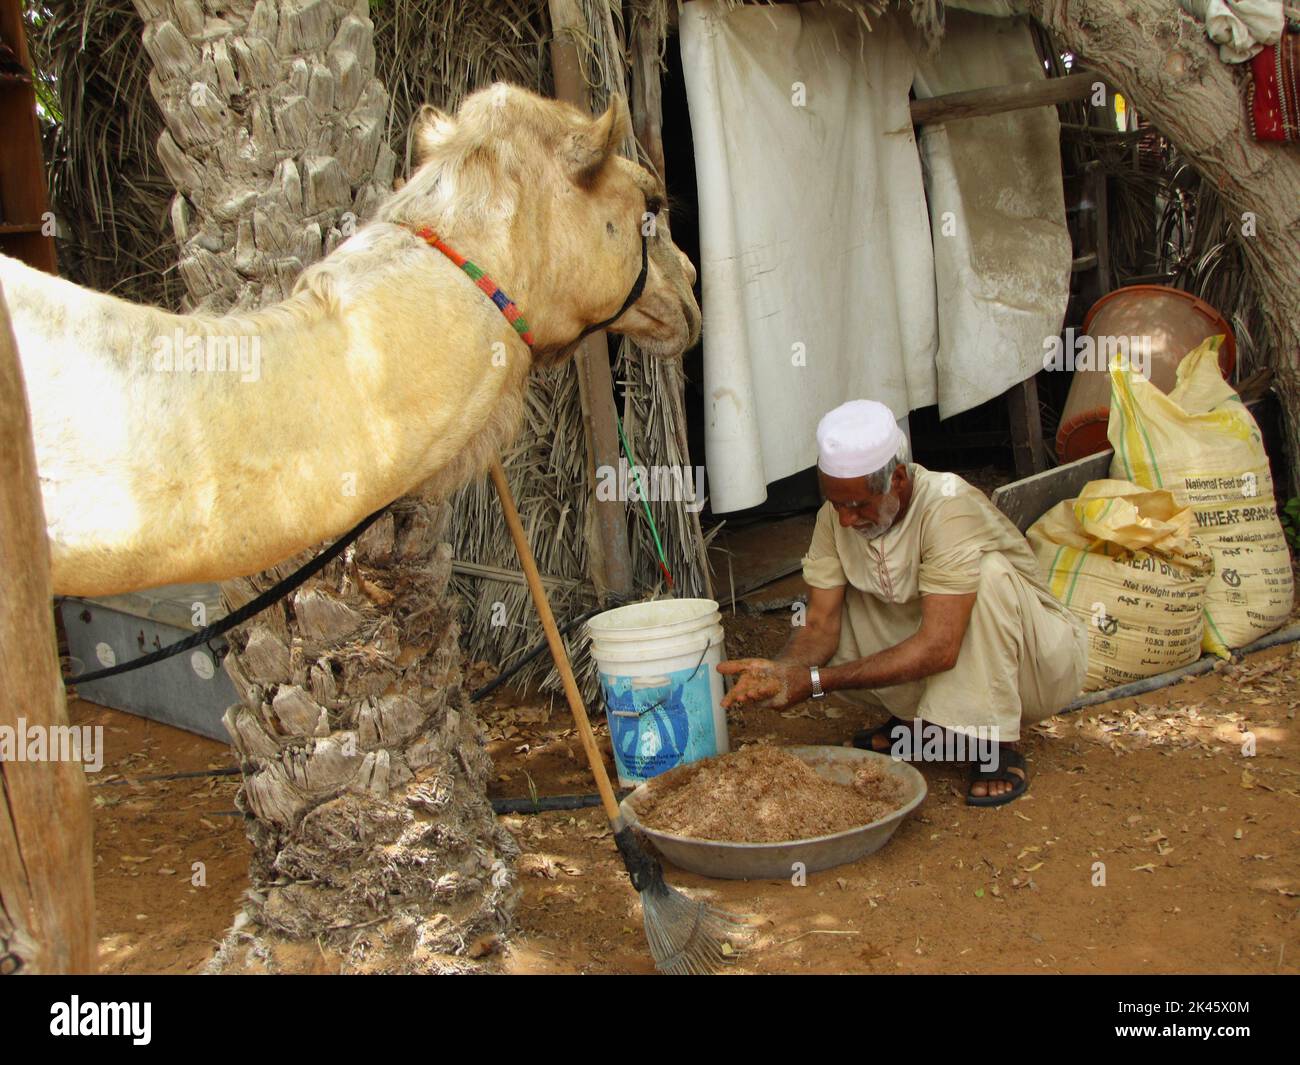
x=924 y=598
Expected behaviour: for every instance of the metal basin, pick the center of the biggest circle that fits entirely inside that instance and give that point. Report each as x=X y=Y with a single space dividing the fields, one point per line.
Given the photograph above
x=775 y=861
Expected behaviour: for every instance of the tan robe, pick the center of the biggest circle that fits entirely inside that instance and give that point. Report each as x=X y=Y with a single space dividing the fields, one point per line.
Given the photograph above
x=1024 y=655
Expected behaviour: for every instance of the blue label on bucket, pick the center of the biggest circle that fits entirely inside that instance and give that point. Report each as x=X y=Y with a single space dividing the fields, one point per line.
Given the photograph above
x=656 y=723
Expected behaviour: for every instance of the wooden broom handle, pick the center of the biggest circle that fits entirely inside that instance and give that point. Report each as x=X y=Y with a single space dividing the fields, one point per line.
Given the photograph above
x=555 y=641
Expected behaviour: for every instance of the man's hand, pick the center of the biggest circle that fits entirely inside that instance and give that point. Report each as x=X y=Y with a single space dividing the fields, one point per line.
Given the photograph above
x=764 y=683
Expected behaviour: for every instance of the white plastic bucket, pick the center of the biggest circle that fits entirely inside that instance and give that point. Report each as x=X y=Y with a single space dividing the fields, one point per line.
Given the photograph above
x=662 y=691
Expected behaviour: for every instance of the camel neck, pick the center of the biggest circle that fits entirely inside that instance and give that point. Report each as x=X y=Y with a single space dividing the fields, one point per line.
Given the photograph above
x=508 y=308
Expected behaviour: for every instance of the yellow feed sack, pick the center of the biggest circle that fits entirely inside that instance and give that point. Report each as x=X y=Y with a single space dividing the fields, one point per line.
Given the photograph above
x=1202 y=444
x=1124 y=560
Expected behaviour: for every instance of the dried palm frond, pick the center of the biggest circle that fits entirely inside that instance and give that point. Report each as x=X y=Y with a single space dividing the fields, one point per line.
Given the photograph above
x=655 y=426
x=927 y=15
x=1213 y=265
x=107 y=187
x=547 y=470
x=1136 y=185
x=439 y=51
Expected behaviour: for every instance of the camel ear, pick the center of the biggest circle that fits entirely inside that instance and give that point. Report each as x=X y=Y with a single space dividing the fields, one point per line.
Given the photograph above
x=590 y=149
x=428 y=130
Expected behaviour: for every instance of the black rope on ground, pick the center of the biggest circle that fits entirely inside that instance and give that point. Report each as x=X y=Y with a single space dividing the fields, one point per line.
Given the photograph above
x=543 y=803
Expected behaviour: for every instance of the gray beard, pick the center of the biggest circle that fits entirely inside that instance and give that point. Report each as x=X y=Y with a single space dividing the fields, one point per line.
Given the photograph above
x=874 y=532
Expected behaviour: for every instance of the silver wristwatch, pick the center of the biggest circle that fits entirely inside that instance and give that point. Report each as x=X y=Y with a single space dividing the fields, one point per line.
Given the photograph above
x=816 y=676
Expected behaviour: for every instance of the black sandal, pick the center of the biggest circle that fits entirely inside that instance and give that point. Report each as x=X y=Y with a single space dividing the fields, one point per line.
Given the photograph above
x=1007 y=761
x=863 y=740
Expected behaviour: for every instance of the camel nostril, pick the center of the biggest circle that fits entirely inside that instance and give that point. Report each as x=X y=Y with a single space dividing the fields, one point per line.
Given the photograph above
x=693 y=318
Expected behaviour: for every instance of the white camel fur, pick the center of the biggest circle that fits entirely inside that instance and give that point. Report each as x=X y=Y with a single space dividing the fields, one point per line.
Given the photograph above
x=387 y=368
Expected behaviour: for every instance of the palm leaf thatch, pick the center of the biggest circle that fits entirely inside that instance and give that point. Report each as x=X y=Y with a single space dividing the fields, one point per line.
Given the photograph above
x=439 y=51
x=106 y=184
x=1212 y=264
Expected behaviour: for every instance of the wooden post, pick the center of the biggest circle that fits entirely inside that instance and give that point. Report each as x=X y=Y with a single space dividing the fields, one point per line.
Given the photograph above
x=1094 y=184
x=1026 y=428
x=611 y=558
x=647 y=124
x=648 y=97
x=975 y=102
x=47 y=908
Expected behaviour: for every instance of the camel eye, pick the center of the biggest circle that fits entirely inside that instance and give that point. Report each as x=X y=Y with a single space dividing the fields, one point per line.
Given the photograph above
x=654 y=204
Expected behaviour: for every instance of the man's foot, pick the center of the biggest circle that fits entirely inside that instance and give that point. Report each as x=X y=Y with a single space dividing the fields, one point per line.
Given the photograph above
x=996 y=787
x=881 y=739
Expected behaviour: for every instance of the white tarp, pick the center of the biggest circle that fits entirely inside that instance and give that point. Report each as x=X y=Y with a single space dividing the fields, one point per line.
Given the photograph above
x=821 y=281
x=1002 y=251
x=815 y=256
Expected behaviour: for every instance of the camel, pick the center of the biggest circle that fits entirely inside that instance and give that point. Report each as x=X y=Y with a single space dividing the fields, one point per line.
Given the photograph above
x=387 y=368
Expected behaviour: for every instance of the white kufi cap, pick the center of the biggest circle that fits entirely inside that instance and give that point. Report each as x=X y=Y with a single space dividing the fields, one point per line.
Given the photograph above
x=857 y=439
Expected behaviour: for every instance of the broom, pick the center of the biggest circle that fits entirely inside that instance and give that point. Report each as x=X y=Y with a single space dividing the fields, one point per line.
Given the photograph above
x=685 y=936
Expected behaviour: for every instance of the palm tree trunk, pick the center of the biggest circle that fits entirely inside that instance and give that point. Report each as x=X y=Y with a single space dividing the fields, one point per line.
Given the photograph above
x=364 y=769
x=274 y=138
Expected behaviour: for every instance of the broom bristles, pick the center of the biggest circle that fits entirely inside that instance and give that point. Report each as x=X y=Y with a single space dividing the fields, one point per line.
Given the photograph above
x=686 y=936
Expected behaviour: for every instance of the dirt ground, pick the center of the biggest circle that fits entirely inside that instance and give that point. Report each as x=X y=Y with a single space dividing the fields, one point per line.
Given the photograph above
x=1199 y=843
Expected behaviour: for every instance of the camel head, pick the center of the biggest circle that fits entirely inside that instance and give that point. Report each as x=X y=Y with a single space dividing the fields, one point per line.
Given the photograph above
x=535 y=192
